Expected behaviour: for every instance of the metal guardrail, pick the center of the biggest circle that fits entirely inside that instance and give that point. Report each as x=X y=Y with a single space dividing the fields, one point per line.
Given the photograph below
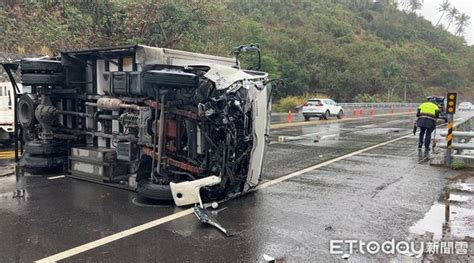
x=354 y=110
x=378 y=105
x=462 y=135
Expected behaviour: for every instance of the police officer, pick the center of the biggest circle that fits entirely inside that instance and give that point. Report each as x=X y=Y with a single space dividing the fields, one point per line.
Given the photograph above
x=427 y=114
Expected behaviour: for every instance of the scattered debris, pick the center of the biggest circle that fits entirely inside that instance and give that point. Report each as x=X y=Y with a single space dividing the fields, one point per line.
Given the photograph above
x=268 y=258
x=346 y=256
x=19 y=193
x=205 y=217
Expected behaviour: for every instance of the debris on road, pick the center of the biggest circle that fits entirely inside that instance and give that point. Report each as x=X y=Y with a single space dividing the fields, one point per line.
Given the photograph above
x=271 y=259
x=206 y=218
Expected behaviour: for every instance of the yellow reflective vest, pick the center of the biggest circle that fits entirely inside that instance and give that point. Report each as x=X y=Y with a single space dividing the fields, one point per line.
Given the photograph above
x=428 y=109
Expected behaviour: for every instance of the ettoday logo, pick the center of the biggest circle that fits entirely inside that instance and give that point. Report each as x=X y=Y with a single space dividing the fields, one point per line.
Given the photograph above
x=391 y=247
x=339 y=247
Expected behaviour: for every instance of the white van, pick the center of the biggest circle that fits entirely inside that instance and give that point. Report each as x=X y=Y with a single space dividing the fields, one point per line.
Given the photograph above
x=7 y=108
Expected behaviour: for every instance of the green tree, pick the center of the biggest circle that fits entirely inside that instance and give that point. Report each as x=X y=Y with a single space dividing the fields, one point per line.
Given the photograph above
x=462 y=21
x=452 y=14
x=443 y=9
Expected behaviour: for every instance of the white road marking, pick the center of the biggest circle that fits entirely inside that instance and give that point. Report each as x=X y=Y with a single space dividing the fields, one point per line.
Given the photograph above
x=108 y=239
x=326 y=163
x=100 y=242
x=56 y=177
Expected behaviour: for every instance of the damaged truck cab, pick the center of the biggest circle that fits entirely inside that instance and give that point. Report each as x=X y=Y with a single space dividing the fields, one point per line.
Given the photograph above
x=173 y=125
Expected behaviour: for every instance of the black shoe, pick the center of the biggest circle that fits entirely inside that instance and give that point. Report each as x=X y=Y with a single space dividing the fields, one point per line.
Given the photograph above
x=427 y=149
x=419 y=146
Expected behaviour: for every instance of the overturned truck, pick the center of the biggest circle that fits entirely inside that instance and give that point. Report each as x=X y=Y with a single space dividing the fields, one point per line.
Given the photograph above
x=173 y=125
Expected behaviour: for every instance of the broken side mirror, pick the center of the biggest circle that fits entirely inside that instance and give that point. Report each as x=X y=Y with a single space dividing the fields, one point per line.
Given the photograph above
x=245 y=49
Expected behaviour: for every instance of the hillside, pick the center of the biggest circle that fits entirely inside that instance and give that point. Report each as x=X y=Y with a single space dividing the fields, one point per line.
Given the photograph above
x=349 y=50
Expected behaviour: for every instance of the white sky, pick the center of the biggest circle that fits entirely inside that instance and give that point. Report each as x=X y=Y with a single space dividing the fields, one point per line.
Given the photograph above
x=430 y=12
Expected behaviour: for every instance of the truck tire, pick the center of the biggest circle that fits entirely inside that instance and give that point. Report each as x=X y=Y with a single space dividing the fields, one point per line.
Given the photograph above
x=42 y=164
x=153 y=191
x=26 y=111
x=50 y=147
x=35 y=65
x=32 y=79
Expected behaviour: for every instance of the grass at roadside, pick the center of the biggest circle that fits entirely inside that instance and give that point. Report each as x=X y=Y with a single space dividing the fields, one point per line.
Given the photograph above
x=291 y=102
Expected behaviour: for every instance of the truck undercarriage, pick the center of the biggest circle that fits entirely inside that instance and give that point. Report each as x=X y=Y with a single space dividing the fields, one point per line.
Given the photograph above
x=172 y=121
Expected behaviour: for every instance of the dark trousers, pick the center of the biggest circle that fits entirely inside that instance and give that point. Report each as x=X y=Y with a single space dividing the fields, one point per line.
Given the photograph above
x=426 y=133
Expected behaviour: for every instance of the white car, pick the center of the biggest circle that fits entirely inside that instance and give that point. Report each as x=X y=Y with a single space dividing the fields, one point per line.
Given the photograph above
x=322 y=108
x=465 y=106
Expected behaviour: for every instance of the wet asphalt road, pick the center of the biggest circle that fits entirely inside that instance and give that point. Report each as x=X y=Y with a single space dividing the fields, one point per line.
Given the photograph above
x=375 y=195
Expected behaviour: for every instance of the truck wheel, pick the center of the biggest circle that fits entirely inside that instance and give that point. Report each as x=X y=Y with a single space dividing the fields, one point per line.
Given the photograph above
x=42 y=164
x=306 y=118
x=32 y=79
x=50 y=147
x=26 y=111
x=34 y=65
x=153 y=191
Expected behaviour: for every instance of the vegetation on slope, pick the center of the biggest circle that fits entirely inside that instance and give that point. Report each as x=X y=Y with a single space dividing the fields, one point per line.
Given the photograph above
x=347 y=49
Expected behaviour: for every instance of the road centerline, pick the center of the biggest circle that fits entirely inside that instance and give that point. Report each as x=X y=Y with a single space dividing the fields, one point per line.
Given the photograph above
x=56 y=177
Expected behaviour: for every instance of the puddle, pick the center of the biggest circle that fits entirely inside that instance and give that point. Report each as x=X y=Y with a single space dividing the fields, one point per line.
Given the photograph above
x=460 y=197
x=432 y=222
x=368 y=126
x=451 y=217
x=374 y=131
x=464 y=187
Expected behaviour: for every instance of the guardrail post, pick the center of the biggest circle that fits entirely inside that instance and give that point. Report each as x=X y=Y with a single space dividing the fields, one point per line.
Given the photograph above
x=449 y=137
